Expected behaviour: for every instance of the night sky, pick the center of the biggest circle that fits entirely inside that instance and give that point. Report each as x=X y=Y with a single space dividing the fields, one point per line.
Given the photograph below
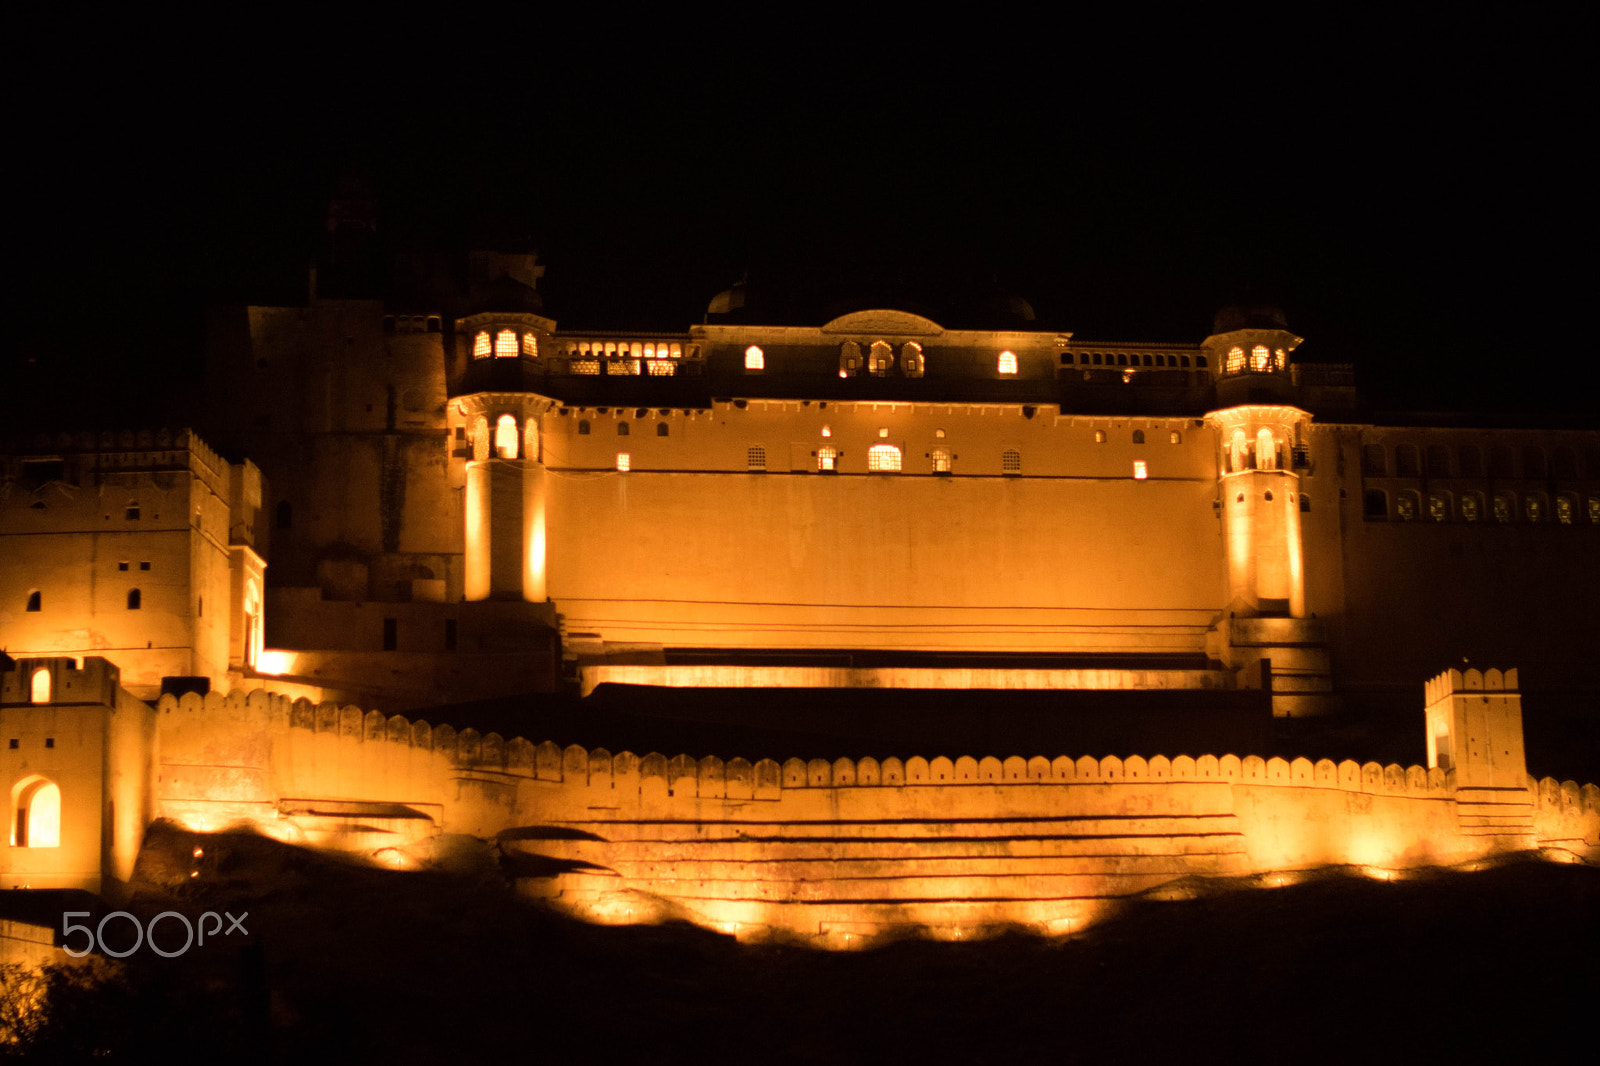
x=1413 y=204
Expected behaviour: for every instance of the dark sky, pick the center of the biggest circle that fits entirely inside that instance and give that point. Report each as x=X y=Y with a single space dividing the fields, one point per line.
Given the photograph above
x=1413 y=204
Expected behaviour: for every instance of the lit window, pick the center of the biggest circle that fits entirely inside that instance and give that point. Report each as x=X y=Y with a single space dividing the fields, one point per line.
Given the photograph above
x=623 y=462
x=1594 y=510
x=1471 y=507
x=530 y=440
x=41 y=686
x=505 y=437
x=911 y=359
x=827 y=431
x=1438 y=507
x=134 y=600
x=1140 y=471
x=827 y=459
x=939 y=433
x=1238 y=452
x=1099 y=436
x=1405 y=507
x=849 y=358
x=1235 y=360
x=1008 y=362
x=883 y=458
x=35 y=600
x=662 y=369
x=505 y=344
x=941 y=460
x=880 y=358
x=1533 y=507
x=1503 y=507
x=480 y=345
x=1260 y=358
x=1564 y=510
x=883 y=431
x=530 y=345
x=1280 y=358
x=755 y=457
x=37 y=822
x=1011 y=462
x=480 y=439
x=1175 y=437
x=590 y=367
x=754 y=358
x=1266 y=451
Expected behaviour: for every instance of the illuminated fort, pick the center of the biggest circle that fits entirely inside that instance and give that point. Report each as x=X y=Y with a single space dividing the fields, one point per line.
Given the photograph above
x=428 y=505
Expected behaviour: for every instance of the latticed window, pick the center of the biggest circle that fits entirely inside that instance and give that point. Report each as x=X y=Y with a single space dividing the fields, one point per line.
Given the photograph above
x=1471 y=507
x=1260 y=358
x=1008 y=362
x=585 y=366
x=827 y=459
x=849 y=359
x=662 y=369
x=480 y=439
x=480 y=345
x=883 y=458
x=880 y=358
x=1140 y=470
x=1438 y=507
x=1235 y=360
x=911 y=359
x=505 y=344
x=755 y=457
x=754 y=358
x=1594 y=510
x=941 y=460
x=530 y=345
x=1011 y=462
x=1405 y=507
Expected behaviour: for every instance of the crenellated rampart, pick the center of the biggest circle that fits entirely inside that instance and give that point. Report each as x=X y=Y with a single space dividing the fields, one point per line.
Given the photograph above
x=841 y=848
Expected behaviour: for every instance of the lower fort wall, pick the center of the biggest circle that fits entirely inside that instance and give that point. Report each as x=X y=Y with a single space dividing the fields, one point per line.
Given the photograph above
x=843 y=848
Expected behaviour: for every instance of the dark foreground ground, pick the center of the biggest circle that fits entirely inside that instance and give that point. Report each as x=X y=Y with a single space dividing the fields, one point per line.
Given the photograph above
x=349 y=964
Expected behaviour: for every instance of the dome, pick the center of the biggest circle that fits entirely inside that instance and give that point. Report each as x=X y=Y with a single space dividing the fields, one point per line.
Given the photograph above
x=509 y=295
x=1248 y=316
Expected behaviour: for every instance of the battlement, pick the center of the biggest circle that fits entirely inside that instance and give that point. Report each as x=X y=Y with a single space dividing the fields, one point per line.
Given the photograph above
x=58 y=681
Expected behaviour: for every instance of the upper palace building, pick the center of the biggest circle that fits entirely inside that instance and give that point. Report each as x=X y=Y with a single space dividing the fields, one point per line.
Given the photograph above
x=462 y=501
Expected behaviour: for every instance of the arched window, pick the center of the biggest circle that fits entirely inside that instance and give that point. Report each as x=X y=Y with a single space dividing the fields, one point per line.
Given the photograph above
x=1266 y=451
x=880 y=358
x=1500 y=461
x=1374 y=462
x=505 y=437
x=849 y=359
x=1405 y=461
x=505 y=344
x=1011 y=461
x=583 y=427
x=480 y=439
x=754 y=358
x=1008 y=362
x=285 y=515
x=134 y=600
x=1594 y=510
x=911 y=359
x=1405 y=506
x=1138 y=436
x=36 y=818
x=622 y=429
x=941 y=460
x=1260 y=358
x=1237 y=452
x=480 y=345
x=624 y=462
x=662 y=429
x=1438 y=460
x=1375 y=505
x=40 y=686
x=1305 y=504
x=1175 y=437
x=1471 y=507
x=35 y=600
x=1566 y=463
x=1533 y=507
x=1235 y=360
x=755 y=458
x=1505 y=507
x=1099 y=436
x=883 y=458
x=1438 y=507
x=530 y=345
x=827 y=459
x=1566 y=506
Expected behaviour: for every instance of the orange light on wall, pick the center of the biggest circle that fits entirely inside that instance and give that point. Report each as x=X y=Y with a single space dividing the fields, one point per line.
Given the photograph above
x=1140 y=471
